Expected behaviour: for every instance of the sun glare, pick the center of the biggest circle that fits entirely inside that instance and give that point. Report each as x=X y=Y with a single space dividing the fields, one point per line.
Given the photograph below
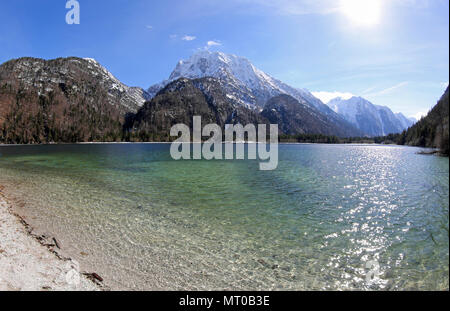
x=362 y=12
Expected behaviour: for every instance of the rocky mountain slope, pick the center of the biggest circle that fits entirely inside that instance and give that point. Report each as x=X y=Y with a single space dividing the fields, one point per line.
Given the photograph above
x=62 y=100
x=372 y=120
x=183 y=99
x=404 y=121
x=294 y=118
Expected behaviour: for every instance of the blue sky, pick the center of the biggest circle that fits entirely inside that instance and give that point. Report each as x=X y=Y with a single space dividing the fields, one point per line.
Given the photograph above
x=398 y=56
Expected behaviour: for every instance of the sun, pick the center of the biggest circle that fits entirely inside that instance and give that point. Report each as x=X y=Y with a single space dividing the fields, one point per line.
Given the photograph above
x=362 y=12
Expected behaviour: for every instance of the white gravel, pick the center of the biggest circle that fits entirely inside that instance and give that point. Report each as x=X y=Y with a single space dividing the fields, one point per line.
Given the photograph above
x=26 y=265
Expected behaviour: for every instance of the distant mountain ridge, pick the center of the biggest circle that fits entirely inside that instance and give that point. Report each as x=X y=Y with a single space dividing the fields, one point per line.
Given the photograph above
x=184 y=98
x=78 y=100
x=247 y=85
x=293 y=118
x=371 y=119
x=404 y=121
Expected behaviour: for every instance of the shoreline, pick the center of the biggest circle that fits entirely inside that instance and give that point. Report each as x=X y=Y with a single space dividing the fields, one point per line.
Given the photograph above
x=30 y=262
x=166 y=143
x=424 y=150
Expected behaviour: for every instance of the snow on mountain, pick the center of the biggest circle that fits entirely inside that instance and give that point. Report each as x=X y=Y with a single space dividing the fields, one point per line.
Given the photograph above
x=244 y=83
x=131 y=97
x=371 y=119
x=405 y=122
x=240 y=79
x=44 y=76
x=239 y=76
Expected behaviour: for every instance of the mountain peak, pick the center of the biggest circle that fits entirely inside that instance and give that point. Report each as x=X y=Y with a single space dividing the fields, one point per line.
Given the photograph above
x=91 y=60
x=221 y=56
x=239 y=76
x=374 y=120
x=248 y=85
x=219 y=65
x=358 y=99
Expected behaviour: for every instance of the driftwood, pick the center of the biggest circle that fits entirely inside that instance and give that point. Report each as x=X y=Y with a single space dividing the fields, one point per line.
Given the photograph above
x=56 y=243
x=43 y=239
x=93 y=276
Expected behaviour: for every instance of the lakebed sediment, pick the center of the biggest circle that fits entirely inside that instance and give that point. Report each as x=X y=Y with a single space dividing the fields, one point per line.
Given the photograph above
x=146 y=222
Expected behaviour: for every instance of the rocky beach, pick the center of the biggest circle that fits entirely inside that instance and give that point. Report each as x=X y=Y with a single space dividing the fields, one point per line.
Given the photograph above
x=31 y=263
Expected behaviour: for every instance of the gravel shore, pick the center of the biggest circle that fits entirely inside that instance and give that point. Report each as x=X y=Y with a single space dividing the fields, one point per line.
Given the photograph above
x=31 y=263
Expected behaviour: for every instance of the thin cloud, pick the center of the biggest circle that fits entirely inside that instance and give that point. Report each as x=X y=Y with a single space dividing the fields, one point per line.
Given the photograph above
x=188 y=38
x=388 y=90
x=326 y=97
x=149 y=27
x=370 y=89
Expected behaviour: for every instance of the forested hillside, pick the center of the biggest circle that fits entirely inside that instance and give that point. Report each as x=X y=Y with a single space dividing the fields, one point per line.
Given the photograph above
x=62 y=100
x=433 y=130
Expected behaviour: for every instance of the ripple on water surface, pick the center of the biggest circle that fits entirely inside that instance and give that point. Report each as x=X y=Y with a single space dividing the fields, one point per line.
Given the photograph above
x=327 y=217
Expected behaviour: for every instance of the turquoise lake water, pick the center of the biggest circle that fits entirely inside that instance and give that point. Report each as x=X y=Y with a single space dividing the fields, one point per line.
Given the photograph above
x=148 y=222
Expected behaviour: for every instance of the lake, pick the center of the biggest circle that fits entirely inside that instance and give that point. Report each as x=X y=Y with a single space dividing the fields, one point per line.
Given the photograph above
x=327 y=218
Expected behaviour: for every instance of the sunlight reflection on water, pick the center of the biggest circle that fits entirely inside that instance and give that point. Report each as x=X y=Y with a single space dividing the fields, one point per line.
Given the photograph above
x=148 y=222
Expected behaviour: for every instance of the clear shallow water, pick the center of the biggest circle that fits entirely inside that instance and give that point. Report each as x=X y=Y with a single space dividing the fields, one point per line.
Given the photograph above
x=148 y=222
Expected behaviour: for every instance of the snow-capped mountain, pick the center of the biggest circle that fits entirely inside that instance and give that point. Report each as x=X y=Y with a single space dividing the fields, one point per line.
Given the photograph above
x=131 y=97
x=241 y=79
x=373 y=120
x=245 y=84
x=405 y=122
